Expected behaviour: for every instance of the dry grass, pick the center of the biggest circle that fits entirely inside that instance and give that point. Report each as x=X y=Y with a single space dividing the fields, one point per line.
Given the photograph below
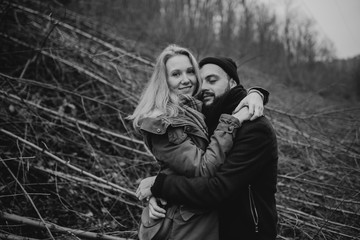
x=69 y=158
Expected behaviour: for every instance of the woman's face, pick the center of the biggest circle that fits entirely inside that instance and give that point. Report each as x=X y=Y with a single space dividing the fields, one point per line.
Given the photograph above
x=181 y=75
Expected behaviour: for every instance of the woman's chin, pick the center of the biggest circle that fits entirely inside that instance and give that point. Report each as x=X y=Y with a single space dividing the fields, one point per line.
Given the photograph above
x=187 y=91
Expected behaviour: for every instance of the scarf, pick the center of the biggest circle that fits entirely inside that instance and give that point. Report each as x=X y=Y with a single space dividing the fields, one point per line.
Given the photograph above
x=225 y=103
x=193 y=107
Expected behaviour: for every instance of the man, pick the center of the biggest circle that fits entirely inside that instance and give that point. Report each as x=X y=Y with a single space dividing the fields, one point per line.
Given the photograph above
x=243 y=189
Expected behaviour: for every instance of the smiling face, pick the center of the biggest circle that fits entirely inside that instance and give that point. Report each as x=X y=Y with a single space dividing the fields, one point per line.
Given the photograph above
x=216 y=82
x=181 y=75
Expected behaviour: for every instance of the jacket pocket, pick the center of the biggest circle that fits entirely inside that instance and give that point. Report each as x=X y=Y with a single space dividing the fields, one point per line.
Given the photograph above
x=187 y=213
x=176 y=135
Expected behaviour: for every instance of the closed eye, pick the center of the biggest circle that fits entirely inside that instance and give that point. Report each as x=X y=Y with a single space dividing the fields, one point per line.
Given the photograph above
x=211 y=79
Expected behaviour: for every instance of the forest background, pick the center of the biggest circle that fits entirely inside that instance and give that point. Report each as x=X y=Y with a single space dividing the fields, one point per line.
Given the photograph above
x=71 y=71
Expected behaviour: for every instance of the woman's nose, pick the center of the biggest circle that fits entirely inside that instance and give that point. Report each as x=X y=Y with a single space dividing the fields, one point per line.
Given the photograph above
x=185 y=79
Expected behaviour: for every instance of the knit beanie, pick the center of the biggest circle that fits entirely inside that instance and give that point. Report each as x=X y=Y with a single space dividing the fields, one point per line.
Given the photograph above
x=227 y=64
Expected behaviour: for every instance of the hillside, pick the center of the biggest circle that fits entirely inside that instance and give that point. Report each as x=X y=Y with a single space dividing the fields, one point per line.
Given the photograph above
x=70 y=162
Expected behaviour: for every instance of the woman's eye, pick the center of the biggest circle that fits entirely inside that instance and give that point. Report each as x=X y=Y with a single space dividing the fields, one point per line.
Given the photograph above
x=191 y=71
x=175 y=74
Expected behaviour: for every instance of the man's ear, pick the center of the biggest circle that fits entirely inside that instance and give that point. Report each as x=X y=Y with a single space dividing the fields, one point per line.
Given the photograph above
x=232 y=83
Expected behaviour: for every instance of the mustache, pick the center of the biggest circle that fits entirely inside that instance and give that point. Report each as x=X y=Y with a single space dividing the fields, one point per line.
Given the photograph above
x=206 y=93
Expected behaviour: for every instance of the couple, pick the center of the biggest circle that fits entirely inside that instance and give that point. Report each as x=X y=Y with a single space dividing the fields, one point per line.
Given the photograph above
x=218 y=173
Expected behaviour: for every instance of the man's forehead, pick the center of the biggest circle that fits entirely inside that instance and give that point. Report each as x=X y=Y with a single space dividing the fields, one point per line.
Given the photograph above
x=212 y=69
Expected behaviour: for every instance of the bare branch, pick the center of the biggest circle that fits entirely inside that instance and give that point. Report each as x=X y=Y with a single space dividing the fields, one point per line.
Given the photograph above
x=48 y=225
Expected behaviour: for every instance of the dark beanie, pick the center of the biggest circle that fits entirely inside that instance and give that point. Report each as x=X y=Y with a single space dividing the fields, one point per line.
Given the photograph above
x=227 y=64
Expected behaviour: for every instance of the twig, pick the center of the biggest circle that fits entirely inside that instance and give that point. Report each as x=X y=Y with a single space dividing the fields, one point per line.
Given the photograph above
x=36 y=223
x=85 y=182
x=284 y=209
x=328 y=144
x=307 y=203
x=52 y=87
x=28 y=197
x=7 y=236
x=304 y=117
x=87 y=35
x=19 y=194
x=81 y=122
x=318 y=194
x=124 y=190
x=330 y=186
x=316 y=227
x=56 y=115
x=129 y=97
x=36 y=56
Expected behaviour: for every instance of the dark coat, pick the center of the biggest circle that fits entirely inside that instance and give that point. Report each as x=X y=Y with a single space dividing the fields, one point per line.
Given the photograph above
x=243 y=188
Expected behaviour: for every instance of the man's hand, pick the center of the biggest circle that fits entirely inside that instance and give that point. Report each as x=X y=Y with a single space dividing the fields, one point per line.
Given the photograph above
x=243 y=114
x=144 y=189
x=155 y=211
x=255 y=103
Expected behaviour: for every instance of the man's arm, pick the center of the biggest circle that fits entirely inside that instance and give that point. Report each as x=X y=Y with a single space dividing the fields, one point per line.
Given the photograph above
x=254 y=146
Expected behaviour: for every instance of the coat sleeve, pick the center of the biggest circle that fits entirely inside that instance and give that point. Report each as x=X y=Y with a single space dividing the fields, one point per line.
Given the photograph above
x=254 y=146
x=263 y=91
x=177 y=151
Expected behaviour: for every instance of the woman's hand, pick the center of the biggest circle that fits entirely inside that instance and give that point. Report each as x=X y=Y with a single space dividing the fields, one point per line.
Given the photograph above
x=144 y=189
x=155 y=211
x=243 y=114
x=255 y=103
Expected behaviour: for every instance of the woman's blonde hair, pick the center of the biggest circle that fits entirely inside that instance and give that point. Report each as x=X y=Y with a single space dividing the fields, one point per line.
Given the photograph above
x=157 y=99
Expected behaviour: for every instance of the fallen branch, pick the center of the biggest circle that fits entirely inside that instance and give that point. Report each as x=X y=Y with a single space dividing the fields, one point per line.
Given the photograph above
x=330 y=186
x=312 y=217
x=6 y=236
x=297 y=220
x=131 y=99
x=59 y=89
x=306 y=145
x=66 y=163
x=87 y=35
x=81 y=122
x=318 y=194
x=84 y=22
x=314 y=139
x=28 y=197
x=307 y=203
x=86 y=182
x=318 y=114
x=36 y=223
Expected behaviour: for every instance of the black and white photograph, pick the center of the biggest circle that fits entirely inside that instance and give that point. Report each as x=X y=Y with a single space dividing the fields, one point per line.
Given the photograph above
x=179 y=119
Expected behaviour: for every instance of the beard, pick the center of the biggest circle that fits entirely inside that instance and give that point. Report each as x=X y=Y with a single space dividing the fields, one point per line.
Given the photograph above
x=213 y=112
x=225 y=103
x=207 y=93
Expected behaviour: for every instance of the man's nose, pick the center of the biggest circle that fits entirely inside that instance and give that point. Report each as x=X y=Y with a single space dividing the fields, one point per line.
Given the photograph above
x=205 y=86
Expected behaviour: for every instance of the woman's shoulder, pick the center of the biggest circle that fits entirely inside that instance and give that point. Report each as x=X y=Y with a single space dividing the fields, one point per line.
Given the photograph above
x=154 y=123
x=160 y=124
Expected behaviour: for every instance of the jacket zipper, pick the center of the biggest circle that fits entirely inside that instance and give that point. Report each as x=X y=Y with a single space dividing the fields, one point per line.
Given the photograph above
x=253 y=210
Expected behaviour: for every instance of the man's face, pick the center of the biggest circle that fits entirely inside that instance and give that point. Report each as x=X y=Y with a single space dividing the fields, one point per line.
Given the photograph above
x=215 y=83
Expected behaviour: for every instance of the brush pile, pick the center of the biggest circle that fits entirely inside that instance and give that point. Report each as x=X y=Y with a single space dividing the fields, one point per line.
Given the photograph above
x=70 y=162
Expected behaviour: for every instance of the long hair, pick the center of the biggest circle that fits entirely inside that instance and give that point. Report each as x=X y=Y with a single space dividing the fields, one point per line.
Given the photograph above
x=157 y=99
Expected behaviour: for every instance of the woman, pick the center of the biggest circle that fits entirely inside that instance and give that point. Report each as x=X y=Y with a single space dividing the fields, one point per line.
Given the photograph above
x=169 y=118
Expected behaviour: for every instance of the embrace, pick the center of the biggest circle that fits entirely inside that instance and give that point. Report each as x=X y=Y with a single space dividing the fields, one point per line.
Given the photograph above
x=217 y=152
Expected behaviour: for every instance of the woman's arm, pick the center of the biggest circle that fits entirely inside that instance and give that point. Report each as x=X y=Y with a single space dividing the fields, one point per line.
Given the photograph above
x=178 y=151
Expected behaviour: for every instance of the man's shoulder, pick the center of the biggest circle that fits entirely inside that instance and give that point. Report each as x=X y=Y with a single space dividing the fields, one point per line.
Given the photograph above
x=260 y=124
